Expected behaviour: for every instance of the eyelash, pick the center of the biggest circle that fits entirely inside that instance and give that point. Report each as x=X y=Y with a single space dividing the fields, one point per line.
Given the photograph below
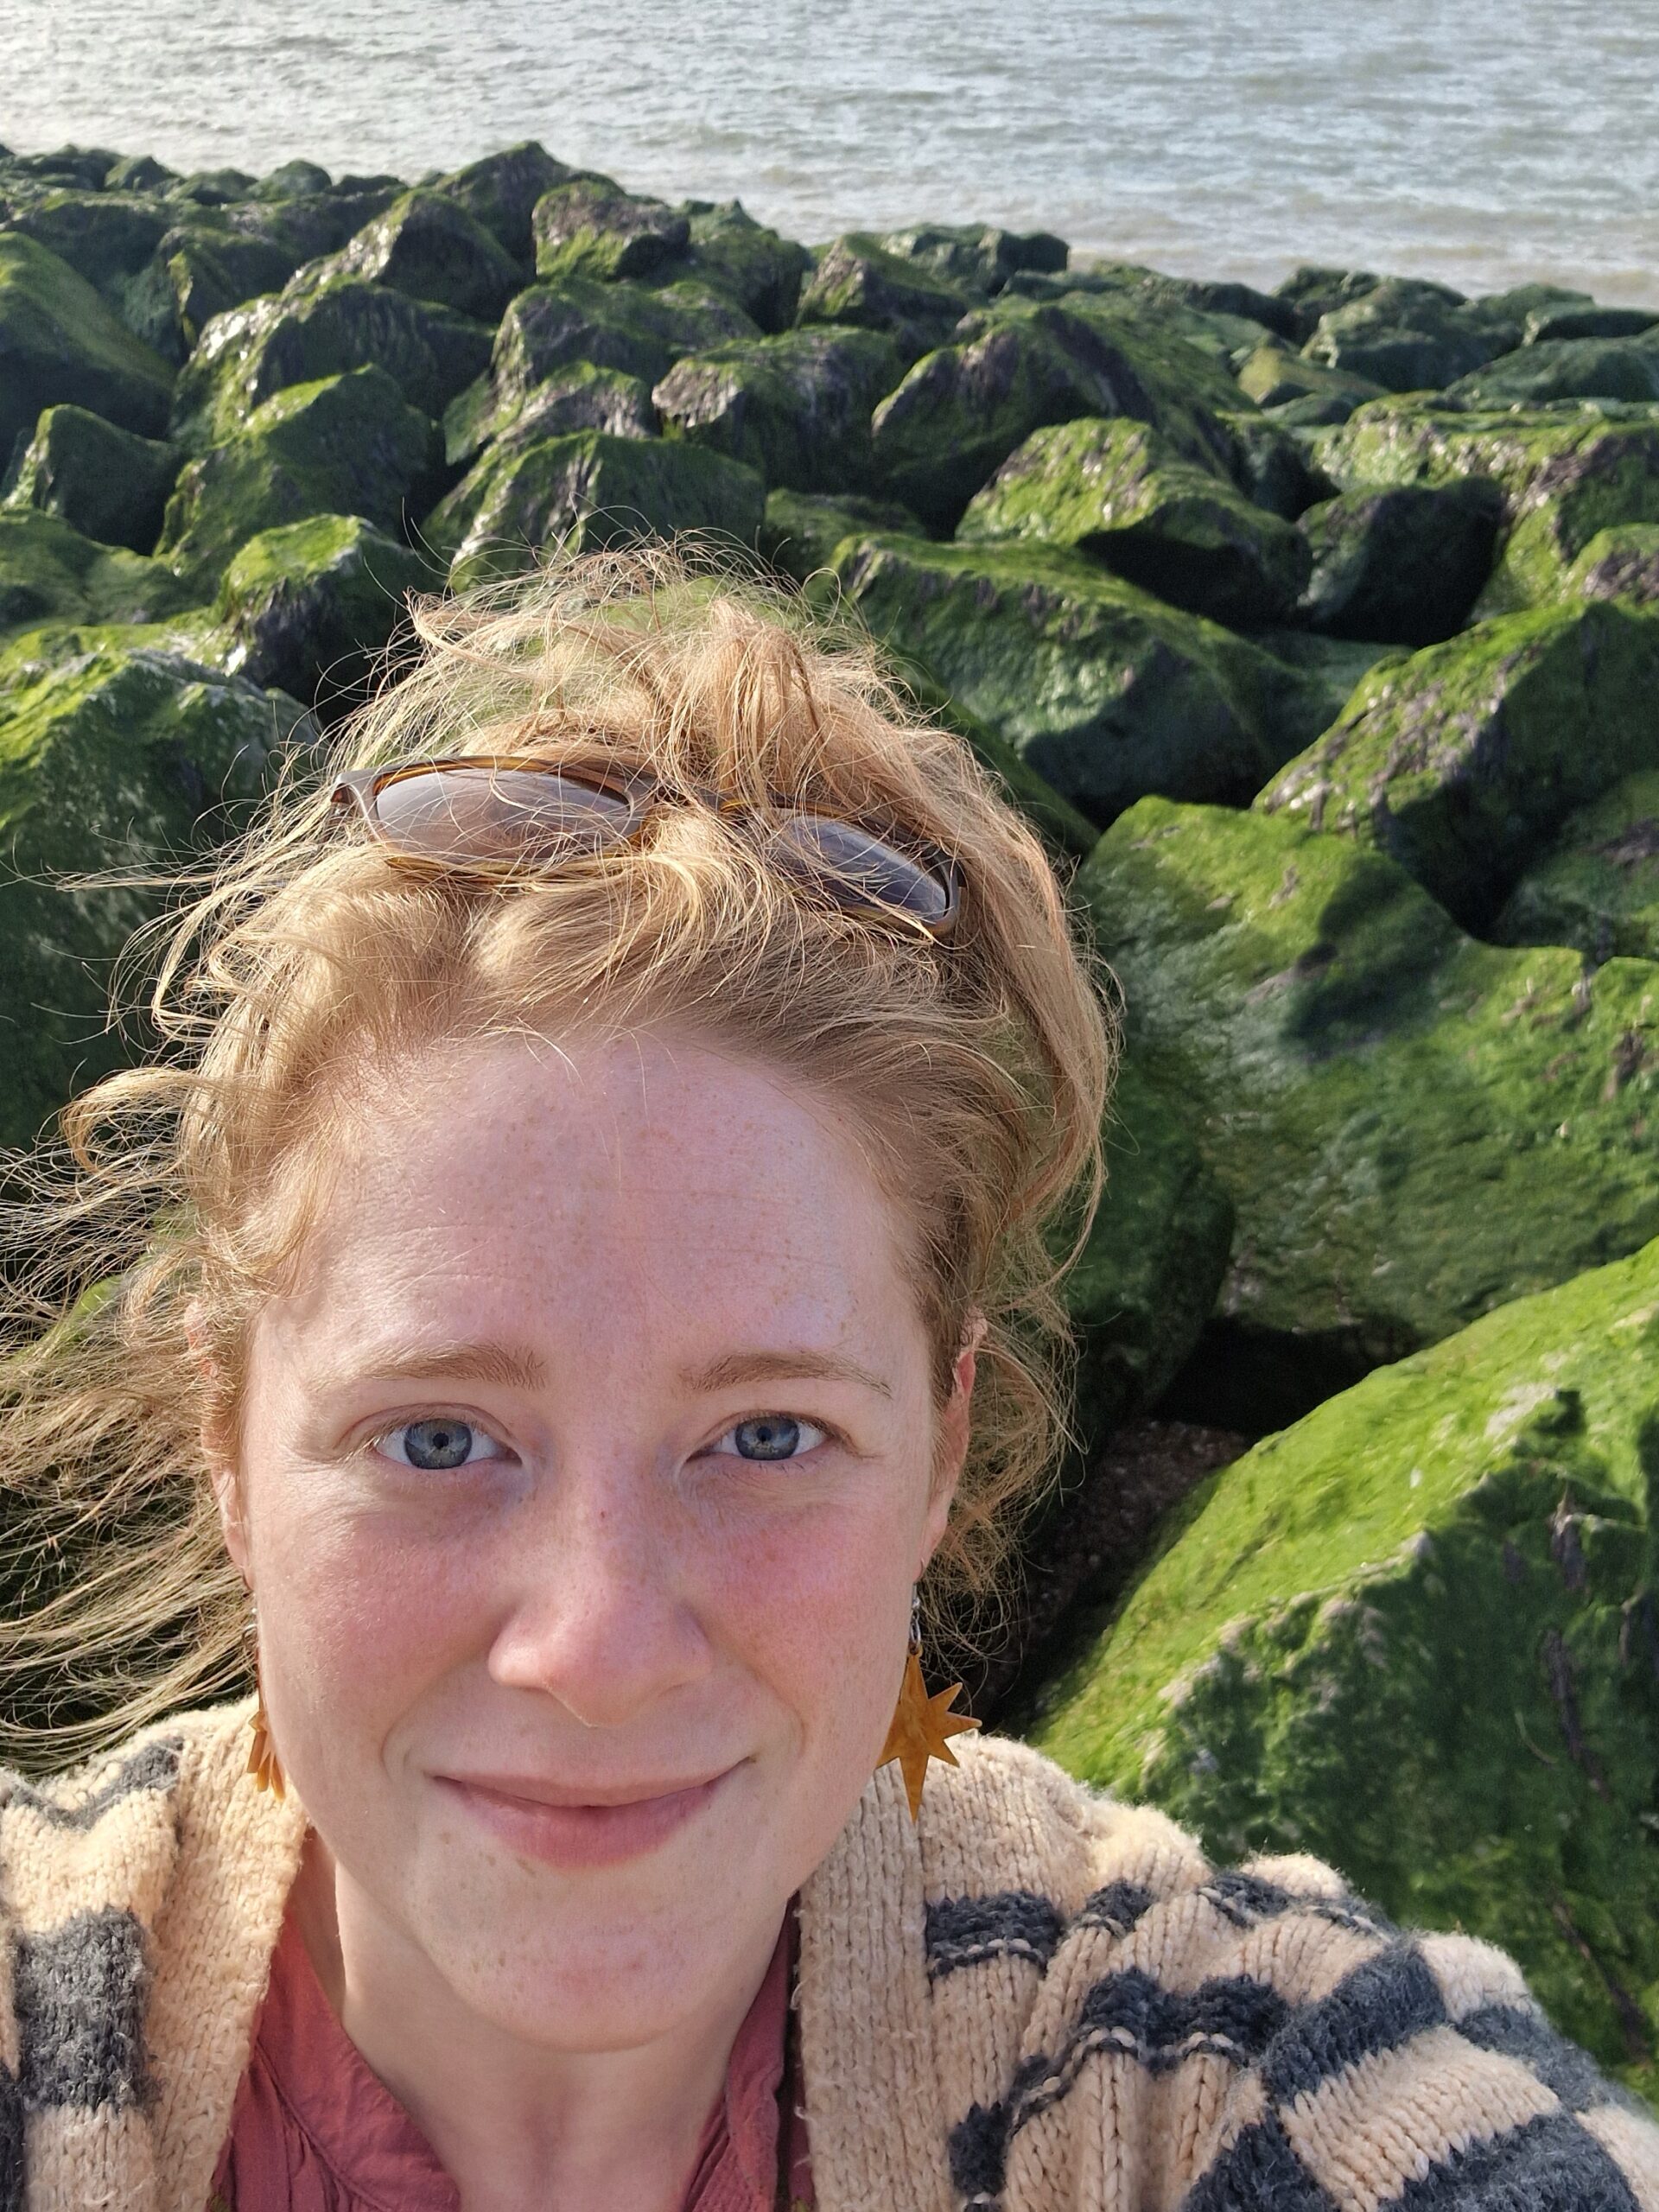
x=819 y=1432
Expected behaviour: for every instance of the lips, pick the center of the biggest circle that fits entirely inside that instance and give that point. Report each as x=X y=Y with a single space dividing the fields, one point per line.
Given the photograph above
x=584 y=1824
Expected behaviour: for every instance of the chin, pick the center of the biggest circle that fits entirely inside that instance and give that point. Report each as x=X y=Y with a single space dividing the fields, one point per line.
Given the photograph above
x=603 y=1990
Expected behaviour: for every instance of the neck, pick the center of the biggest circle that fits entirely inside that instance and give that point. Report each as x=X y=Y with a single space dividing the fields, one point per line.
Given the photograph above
x=520 y=2128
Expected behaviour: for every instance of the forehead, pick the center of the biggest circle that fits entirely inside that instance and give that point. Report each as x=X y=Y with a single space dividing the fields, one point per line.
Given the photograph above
x=650 y=1188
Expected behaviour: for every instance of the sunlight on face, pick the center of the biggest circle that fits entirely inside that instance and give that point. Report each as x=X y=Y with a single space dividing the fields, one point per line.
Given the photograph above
x=590 y=1458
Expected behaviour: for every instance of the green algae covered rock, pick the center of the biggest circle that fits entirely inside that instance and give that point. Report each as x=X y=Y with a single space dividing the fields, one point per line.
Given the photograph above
x=585 y=491
x=1598 y=886
x=120 y=757
x=1147 y=1279
x=801 y=530
x=308 y=608
x=1413 y=1126
x=198 y=273
x=1410 y=336
x=634 y=331
x=1564 y=476
x=501 y=191
x=1119 y=491
x=590 y=227
x=1272 y=377
x=1618 y=563
x=752 y=265
x=106 y=236
x=1563 y=368
x=60 y=342
x=857 y=281
x=1104 y=691
x=326 y=330
x=1404 y=564
x=427 y=245
x=1461 y=762
x=1269 y=467
x=343 y=444
x=580 y=397
x=964 y=409
x=977 y=257
x=49 y=573
x=1416 y=1635
x=797 y=407
x=108 y=483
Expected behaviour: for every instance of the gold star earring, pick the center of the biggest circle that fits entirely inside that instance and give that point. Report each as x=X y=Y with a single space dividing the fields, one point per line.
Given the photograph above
x=922 y=1726
x=262 y=1762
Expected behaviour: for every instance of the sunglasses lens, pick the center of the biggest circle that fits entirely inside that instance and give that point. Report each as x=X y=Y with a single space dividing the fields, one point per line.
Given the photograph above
x=498 y=815
x=846 y=859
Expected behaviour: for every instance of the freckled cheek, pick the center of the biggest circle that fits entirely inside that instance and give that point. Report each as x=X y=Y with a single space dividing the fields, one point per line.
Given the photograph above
x=818 y=1613
x=359 y=1619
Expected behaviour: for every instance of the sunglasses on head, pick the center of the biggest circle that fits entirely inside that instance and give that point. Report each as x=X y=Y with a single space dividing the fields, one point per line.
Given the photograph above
x=492 y=816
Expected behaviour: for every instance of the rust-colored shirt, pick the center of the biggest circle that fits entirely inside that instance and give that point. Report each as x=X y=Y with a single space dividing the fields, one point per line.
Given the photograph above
x=315 y=2130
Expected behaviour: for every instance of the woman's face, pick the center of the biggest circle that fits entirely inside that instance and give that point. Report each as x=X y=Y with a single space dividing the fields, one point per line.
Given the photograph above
x=585 y=1473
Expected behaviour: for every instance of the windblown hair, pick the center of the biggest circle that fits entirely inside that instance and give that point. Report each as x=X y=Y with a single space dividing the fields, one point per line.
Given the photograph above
x=974 y=1073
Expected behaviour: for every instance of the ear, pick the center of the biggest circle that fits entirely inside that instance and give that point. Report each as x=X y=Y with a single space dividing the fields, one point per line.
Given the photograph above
x=955 y=1428
x=217 y=1447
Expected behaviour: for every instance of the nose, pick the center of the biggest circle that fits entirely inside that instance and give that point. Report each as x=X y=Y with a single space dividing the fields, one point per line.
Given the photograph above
x=601 y=1619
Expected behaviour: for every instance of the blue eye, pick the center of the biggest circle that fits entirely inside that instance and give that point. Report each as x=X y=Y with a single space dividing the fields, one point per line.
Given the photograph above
x=437 y=1444
x=769 y=1436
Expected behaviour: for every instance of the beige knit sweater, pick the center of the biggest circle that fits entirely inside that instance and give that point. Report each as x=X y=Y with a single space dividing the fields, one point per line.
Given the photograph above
x=1039 y=1999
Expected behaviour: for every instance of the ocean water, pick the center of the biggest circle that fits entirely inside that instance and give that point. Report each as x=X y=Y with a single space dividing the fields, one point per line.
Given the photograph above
x=1483 y=144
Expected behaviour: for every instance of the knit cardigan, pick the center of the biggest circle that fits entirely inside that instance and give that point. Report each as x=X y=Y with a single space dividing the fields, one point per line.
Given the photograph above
x=1038 y=1997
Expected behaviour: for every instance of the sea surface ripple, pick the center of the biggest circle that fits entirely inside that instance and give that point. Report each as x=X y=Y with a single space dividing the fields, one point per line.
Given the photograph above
x=1484 y=145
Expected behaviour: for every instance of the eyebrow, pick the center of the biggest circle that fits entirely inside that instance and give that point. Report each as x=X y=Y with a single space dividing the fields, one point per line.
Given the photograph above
x=733 y=1369
x=513 y=1368
x=506 y=1365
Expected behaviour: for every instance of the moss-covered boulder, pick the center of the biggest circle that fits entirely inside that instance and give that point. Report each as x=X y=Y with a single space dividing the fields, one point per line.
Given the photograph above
x=196 y=273
x=585 y=491
x=592 y=228
x=857 y=281
x=1269 y=467
x=1410 y=336
x=1618 y=563
x=501 y=191
x=1564 y=476
x=344 y=445
x=1119 y=492
x=309 y=331
x=1403 y=565
x=760 y=270
x=110 y=484
x=1462 y=762
x=1315 y=289
x=1103 y=690
x=963 y=408
x=1412 y=1126
x=1148 y=1278
x=801 y=530
x=120 y=757
x=797 y=407
x=427 y=245
x=1598 y=886
x=309 y=606
x=49 y=573
x=580 y=397
x=1415 y=1634
x=1272 y=377
x=634 y=331
x=977 y=258
x=106 y=236
x=1563 y=368
x=60 y=342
